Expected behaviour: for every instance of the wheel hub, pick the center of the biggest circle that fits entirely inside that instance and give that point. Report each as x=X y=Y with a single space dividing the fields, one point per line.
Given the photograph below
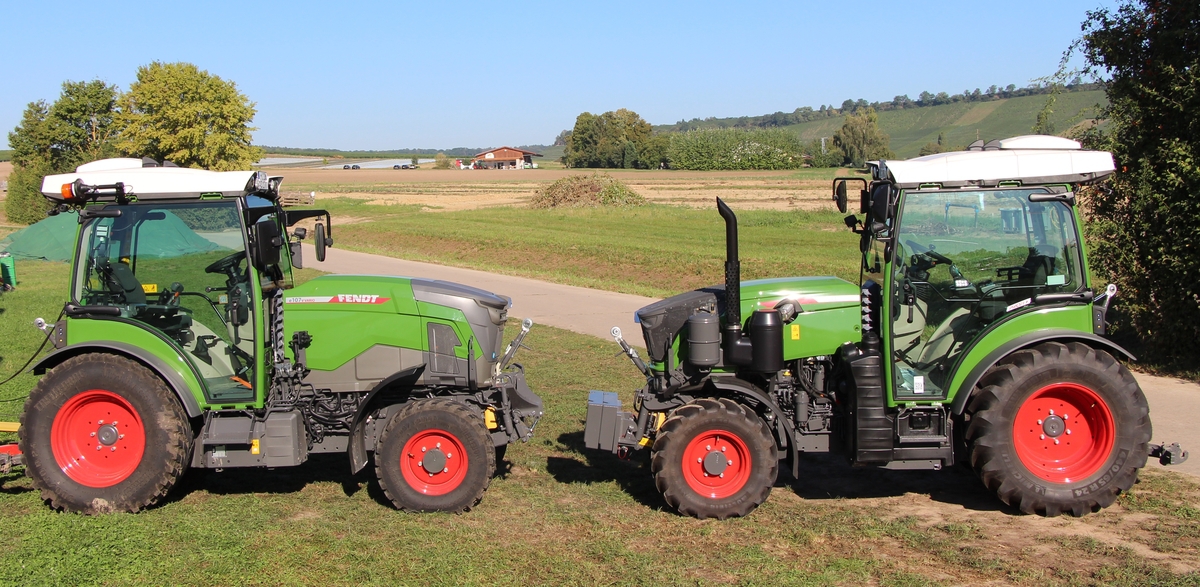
x=1053 y=426
x=434 y=461
x=715 y=463
x=107 y=435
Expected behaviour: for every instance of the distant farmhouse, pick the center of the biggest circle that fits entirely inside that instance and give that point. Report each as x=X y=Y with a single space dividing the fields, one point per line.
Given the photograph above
x=505 y=158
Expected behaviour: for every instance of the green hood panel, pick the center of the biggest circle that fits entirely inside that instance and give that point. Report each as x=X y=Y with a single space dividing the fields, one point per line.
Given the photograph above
x=812 y=293
x=353 y=293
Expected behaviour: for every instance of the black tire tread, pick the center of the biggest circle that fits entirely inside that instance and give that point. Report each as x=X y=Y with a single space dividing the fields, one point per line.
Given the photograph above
x=173 y=420
x=987 y=438
x=459 y=410
x=673 y=431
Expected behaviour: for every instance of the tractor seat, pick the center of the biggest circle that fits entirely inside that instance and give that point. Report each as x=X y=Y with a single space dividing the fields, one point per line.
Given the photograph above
x=120 y=281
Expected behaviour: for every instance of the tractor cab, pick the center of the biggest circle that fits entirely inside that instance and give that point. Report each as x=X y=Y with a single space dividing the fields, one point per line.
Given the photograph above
x=947 y=259
x=192 y=254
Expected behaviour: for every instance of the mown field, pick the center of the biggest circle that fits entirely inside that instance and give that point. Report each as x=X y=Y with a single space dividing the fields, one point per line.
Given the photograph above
x=555 y=514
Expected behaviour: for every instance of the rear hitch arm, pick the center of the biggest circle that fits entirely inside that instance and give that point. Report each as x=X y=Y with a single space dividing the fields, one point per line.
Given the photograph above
x=1168 y=454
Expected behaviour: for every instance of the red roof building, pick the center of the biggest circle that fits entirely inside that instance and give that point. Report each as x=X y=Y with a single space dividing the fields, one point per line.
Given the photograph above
x=505 y=158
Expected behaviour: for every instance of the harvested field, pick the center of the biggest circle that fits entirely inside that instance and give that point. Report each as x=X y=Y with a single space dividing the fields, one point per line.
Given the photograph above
x=450 y=190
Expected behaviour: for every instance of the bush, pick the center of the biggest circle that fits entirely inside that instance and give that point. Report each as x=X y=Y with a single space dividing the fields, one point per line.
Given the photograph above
x=586 y=191
x=729 y=148
x=440 y=161
x=25 y=203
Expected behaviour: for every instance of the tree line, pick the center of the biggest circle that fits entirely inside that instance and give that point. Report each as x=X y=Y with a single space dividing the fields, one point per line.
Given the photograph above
x=901 y=102
x=621 y=139
x=172 y=111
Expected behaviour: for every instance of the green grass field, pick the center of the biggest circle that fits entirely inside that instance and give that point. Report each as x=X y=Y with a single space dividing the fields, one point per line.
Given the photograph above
x=653 y=250
x=558 y=515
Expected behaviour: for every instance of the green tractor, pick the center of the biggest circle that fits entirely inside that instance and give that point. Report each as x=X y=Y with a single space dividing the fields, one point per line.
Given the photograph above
x=974 y=336
x=184 y=345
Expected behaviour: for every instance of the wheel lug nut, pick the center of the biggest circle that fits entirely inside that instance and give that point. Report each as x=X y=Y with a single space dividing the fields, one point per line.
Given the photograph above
x=722 y=475
x=97 y=447
x=92 y=434
x=1064 y=416
x=99 y=421
x=730 y=463
x=1039 y=422
x=420 y=463
x=1051 y=412
x=709 y=447
x=699 y=460
x=114 y=449
x=439 y=445
x=446 y=470
x=1042 y=436
x=449 y=455
x=422 y=449
x=1055 y=441
x=120 y=436
x=1068 y=430
x=723 y=448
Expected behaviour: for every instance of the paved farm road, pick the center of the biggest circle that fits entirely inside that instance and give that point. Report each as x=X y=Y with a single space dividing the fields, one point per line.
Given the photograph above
x=1174 y=404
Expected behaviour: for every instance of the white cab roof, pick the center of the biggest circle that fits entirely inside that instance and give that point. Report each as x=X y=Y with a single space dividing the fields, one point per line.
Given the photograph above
x=1030 y=159
x=151 y=183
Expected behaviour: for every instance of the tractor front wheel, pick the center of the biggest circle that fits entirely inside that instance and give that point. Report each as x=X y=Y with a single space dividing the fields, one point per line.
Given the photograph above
x=1059 y=428
x=714 y=458
x=435 y=455
x=102 y=433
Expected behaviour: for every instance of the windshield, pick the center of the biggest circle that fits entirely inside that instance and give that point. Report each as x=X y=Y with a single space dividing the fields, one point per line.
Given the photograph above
x=180 y=269
x=964 y=259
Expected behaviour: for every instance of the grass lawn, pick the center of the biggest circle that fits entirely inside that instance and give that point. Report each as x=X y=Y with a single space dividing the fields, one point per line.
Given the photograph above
x=654 y=250
x=556 y=514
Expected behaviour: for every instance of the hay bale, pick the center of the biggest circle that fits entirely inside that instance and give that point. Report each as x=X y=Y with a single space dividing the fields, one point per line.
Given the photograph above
x=586 y=191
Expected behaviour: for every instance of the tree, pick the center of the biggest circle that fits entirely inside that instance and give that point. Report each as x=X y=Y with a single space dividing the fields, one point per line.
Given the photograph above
x=612 y=139
x=75 y=129
x=178 y=112
x=861 y=140
x=562 y=138
x=1142 y=229
x=440 y=161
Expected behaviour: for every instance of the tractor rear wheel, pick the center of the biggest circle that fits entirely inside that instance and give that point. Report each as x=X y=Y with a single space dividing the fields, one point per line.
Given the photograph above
x=102 y=433
x=1059 y=428
x=435 y=455
x=714 y=458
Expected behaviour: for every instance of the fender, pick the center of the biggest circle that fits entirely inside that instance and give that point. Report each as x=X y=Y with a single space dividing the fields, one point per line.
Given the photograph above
x=173 y=378
x=1023 y=342
x=357 y=447
x=784 y=431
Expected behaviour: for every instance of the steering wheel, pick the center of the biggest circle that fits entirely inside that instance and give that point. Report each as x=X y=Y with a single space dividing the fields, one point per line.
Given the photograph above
x=226 y=264
x=928 y=252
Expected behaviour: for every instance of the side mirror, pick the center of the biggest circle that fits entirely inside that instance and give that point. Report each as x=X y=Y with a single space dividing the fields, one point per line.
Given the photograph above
x=839 y=196
x=267 y=242
x=297 y=254
x=320 y=242
x=879 y=206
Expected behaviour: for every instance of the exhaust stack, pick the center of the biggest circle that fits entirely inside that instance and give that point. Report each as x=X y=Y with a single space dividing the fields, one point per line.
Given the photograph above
x=761 y=347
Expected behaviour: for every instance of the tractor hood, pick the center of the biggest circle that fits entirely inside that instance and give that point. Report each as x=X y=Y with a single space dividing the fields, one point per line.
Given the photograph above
x=351 y=299
x=811 y=293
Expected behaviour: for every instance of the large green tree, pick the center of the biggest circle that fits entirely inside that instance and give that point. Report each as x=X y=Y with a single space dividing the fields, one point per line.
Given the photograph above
x=614 y=139
x=181 y=113
x=861 y=140
x=1143 y=222
x=77 y=128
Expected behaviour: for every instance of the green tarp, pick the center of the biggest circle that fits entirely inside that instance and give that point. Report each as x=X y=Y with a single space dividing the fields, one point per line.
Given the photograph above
x=53 y=239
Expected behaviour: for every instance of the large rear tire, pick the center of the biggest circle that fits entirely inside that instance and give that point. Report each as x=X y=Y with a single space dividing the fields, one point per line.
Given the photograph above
x=435 y=455
x=102 y=433
x=1059 y=428
x=714 y=459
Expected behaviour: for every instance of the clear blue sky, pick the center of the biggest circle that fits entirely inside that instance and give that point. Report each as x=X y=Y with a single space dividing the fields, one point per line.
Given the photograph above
x=367 y=75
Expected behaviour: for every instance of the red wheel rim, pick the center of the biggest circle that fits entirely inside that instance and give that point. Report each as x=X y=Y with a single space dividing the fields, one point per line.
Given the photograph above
x=434 y=462
x=98 y=438
x=716 y=464
x=1064 y=433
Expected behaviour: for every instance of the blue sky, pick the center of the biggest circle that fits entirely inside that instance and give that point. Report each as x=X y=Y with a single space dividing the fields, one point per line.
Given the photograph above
x=366 y=75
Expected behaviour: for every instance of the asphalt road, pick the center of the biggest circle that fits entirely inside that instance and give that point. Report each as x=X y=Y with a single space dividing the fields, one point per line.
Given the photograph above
x=1174 y=403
